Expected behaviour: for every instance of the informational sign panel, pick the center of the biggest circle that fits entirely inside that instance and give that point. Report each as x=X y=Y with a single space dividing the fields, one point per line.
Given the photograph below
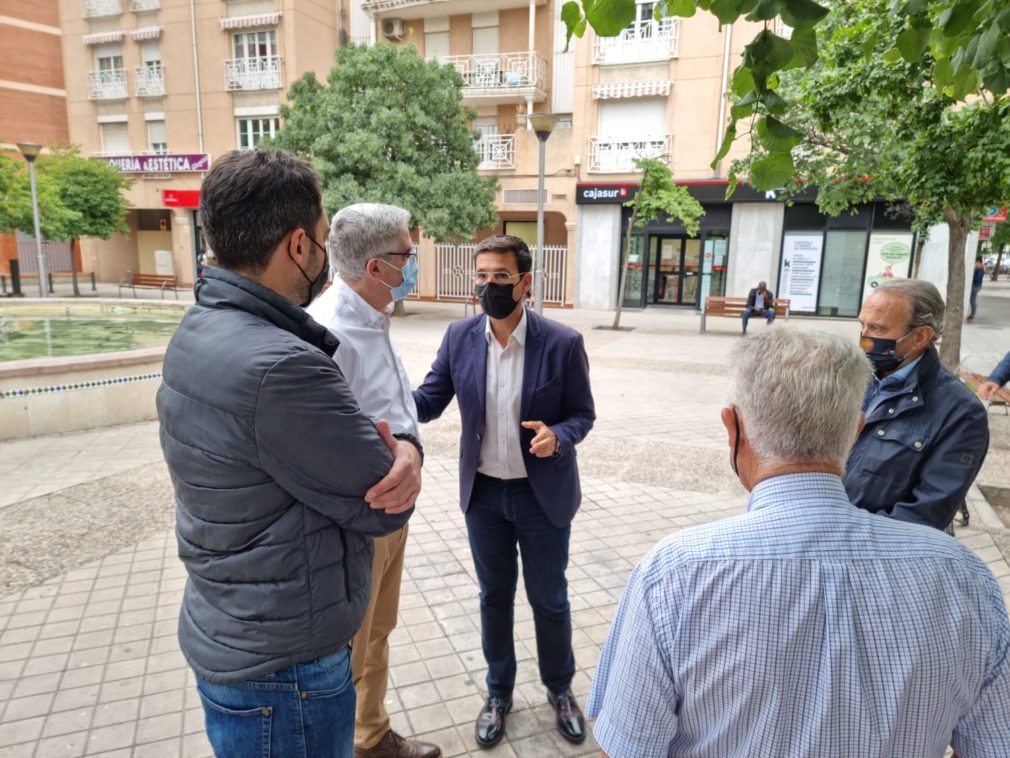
x=163 y=263
x=889 y=257
x=800 y=270
x=707 y=256
x=995 y=214
x=158 y=163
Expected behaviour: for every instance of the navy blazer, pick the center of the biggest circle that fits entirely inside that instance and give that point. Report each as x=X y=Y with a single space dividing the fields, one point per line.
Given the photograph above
x=555 y=390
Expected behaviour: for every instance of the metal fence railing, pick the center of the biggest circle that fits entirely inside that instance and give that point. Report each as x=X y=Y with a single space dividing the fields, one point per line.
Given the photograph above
x=58 y=256
x=455 y=267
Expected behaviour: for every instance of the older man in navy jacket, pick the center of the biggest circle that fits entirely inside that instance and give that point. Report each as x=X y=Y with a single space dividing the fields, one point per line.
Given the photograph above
x=522 y=383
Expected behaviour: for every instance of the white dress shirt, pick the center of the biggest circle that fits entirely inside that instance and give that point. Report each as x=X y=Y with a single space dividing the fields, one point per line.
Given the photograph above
x=501 y=455
x=367 y=357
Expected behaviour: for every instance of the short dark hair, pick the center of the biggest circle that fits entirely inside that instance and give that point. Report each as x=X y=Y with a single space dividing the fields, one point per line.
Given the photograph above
x=251 y=199
x=506 y=243
x=978 y=259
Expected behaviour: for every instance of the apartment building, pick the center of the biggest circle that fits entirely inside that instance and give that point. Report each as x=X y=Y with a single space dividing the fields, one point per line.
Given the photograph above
x=33 y=105
x=159 y=87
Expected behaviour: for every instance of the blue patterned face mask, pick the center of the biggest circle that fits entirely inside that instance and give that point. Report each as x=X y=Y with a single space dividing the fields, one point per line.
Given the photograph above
x=883 y=354
x=409 y=273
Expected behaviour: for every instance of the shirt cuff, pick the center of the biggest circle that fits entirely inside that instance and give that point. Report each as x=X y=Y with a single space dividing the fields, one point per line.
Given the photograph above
x=412 y=440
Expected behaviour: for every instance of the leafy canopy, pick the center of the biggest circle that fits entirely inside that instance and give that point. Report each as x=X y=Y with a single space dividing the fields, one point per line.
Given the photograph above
x=78 y=197
x=658 y=196
x=967 y=40
x=390 y=127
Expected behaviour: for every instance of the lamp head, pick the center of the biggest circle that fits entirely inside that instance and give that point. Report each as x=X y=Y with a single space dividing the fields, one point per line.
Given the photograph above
x=29 y=150
x=543 y=124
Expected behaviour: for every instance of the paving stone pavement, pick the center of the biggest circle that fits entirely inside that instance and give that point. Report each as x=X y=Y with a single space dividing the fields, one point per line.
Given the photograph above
x=90 y=584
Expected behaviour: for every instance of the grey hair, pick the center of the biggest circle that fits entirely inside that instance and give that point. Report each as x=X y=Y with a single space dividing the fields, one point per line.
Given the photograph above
x=361 y=232
x=925 y=303
x=799 y=394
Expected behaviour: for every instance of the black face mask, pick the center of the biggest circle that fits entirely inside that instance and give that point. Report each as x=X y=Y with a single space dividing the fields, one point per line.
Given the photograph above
x=883 y=354
x=315 y=285
x=496 y=299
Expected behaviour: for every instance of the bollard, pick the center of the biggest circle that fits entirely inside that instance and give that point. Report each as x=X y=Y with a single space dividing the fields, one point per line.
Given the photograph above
x=16 y=277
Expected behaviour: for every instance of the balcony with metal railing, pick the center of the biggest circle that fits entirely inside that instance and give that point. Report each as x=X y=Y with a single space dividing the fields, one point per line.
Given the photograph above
x=100 y=8
x=497 y=152
x=141 y=6
x=243 y=74
x=501 y=77
x=642 y=42
x=617 y=155
x=149 y=81
x=107 y=85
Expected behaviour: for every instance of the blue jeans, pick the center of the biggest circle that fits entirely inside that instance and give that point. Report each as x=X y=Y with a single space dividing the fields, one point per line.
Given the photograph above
x=303 y=711
x=973 y=300
x=768 y=313
x=502 y=515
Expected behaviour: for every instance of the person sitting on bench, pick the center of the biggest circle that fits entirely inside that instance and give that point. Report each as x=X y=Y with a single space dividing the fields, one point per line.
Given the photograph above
x=760 y=302
x=999 y=377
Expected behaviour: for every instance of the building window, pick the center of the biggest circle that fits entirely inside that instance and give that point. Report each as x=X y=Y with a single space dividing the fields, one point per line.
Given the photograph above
x=261 y=44
x=156 y=137
x=436 y=37
x=252 y=130
x=116 y=138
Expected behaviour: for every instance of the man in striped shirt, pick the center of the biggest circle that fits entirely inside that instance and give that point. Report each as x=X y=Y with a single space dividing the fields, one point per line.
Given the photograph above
x=805 y=626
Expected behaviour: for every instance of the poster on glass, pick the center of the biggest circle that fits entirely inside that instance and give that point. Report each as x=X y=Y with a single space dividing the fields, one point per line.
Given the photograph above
x=889 y=257
x=800 y=270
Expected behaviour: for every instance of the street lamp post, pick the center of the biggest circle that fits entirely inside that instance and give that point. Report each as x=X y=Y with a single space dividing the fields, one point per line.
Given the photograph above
x=30 y=150
x=543 y=124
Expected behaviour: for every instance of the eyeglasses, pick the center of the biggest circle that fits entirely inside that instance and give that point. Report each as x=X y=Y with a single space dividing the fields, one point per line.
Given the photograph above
x=497 y=277
x=408 y=255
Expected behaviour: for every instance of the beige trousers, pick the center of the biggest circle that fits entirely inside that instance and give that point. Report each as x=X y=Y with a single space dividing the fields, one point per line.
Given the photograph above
x=370 y=653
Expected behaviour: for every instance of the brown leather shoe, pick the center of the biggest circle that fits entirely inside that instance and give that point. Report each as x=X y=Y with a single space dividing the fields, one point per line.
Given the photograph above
x=393 y=745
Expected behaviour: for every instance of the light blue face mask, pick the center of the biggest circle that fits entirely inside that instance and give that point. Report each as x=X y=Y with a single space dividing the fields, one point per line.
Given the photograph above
x=409 y=273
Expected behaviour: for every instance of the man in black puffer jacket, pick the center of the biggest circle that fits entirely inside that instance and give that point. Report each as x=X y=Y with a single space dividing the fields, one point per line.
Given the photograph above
x=280 y=480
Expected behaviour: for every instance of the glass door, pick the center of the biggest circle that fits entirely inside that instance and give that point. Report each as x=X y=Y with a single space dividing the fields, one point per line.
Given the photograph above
x=666 y=268
x=690 y=272
x=633 y=291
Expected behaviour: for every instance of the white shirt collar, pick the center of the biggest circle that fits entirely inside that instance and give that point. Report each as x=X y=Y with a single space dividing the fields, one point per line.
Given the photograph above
x=519 y=335
x=354 y=304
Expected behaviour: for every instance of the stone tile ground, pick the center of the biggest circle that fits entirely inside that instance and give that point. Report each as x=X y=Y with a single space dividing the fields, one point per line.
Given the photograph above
x=90 y=584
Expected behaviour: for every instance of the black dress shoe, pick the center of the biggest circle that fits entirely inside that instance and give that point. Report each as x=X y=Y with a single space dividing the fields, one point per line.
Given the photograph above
x=570 y=721
x=491 y=721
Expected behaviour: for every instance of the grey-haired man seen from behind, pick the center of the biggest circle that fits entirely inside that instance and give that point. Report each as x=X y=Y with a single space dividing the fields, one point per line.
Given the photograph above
x=280 y=480
x=371 y=250
x=805 y=626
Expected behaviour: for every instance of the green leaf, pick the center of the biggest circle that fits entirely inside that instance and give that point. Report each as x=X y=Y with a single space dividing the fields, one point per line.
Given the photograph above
x=996 y=79
x=684 y=8
x=805 y=12
x=743 y=81
x=892 y=56
x=571 y=15
x=869 y=44
x=804 y=43
x=914 y=8
x=609 y=17
x=943 y=73
x=727 y=143
x=771 y=171
x=965 y=82
x=912 y=43
x=986 y=47
x=744 y=106
x=725 y=10
x=774 y=103
x=776 y=136
x=957 y=19
x=765 y=10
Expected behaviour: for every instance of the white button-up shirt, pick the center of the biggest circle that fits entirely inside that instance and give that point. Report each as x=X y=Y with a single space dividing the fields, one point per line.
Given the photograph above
x=500 y=452
x=367 y=357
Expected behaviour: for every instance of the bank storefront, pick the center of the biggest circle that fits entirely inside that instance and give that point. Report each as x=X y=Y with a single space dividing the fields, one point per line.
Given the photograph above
x=826 y=266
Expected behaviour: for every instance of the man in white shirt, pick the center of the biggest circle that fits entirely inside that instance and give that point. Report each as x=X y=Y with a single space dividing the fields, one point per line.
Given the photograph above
x=371 y=251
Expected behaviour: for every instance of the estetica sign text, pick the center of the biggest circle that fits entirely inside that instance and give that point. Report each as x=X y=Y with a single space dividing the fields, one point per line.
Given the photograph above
x=158 y=164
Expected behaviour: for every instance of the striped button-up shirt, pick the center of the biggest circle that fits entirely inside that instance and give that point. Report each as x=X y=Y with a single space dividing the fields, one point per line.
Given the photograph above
x=806 y=627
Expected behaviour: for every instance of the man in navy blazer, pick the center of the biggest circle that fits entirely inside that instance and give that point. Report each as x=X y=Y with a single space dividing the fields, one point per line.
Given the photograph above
x=522 y=384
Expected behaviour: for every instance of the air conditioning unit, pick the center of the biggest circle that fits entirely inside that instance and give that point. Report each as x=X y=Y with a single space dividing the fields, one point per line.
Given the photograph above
x=392 y=28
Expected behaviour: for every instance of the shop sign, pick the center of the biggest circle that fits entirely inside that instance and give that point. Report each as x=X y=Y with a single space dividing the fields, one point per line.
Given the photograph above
x=595 y=194
x=159 y=164
x=994 y=214
x=180 y=198
x=985 y=232
x=801 y=270
x=889 y=257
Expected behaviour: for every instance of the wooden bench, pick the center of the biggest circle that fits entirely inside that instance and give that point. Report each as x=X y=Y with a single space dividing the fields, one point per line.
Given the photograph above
x=1000 y=398
x=733 y=307
x=149 y=281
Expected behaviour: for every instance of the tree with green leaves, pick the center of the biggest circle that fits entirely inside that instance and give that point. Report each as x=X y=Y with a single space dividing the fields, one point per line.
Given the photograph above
x=657 y=197
x=77 y=197
x=967 y=41
x=390 y=127
x=863 y=126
